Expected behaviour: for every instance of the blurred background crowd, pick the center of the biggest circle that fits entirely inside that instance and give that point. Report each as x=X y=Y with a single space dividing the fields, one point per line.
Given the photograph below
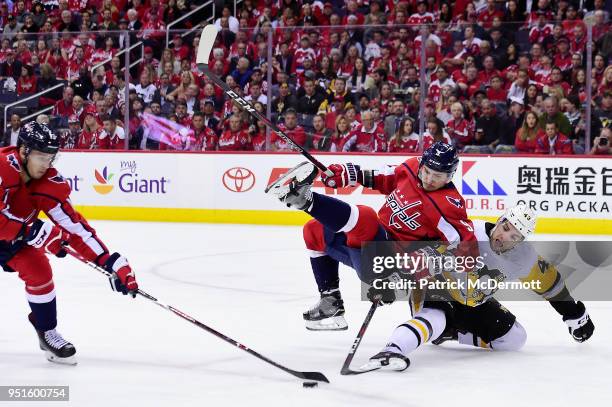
x=528 y=76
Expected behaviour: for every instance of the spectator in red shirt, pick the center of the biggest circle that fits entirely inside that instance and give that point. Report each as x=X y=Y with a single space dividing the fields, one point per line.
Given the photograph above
x=92 y=136
x=460 y=130
x=180 y=49
x=485 y=17
x=601 y=27
x=235 y=139
x=571 y=20
x=422 y=16
x=553 y=142
x=114 y=135
x=496 y=93
x=342 y=132
x=542 y=30
x=204 y=138
x=578 y=43
x=563 y=58
x=26 y=84
x=405 y=140
x=291 y=128
x=556 y=81
x=470 y=83
x=258 y=135
x=367 y=138
x=153 y=31
x=528 y=134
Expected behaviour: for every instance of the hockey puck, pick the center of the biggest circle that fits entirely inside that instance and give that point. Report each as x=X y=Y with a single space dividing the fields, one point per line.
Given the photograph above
x=310 y=384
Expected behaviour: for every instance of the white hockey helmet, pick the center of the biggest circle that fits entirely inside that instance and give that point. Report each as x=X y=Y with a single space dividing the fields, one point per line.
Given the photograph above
x=522 y=218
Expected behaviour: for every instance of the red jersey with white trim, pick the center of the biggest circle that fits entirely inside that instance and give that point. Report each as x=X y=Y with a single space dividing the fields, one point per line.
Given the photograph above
x=460 y=131
x=22 y=203
x=93 y=140
x=297 y=134
x=410 y=213
x=408 y=143
x=234 y=141
x=365 y=141
x=418 y=19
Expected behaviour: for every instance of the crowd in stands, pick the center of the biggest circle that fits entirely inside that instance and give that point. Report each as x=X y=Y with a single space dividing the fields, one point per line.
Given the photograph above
x=343 y=75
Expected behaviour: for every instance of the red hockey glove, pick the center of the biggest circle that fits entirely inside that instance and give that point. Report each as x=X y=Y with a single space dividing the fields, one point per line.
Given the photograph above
x=345 y=175
x=47 y=236
x=122 y=278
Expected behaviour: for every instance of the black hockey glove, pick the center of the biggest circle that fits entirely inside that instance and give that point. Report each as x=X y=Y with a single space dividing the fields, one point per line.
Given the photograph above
x=380 y=292
x=580 y=325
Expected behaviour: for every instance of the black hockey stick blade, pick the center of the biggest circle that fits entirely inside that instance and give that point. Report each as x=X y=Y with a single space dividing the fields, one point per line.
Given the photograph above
x=346 y=370
x=207 y=40
x=315 y=376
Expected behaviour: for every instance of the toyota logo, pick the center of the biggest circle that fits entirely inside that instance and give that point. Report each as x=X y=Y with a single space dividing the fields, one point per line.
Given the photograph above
x=238 y=179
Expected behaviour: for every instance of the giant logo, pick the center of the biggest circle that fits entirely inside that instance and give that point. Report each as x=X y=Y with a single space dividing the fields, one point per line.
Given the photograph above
x=238 y=179
x=104 y=186
x=129 y=181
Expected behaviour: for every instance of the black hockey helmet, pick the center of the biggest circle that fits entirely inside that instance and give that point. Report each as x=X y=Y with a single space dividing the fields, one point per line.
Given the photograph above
x=38 y=137
x=441 y=157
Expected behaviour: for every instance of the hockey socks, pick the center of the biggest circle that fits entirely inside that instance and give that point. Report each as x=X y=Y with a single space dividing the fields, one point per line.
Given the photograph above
x=44 y=315
x=333 y=213
x=427 y=325
x=325 y=270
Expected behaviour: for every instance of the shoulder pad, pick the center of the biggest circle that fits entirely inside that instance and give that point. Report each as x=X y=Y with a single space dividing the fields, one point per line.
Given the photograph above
x=53 y=185
x=10 y=168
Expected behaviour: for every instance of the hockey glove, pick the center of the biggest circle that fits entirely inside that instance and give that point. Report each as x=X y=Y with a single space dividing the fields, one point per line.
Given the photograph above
x=47 y=236
x=383 y=294
x=122 y=278
x=580 y=325
x=345 y=175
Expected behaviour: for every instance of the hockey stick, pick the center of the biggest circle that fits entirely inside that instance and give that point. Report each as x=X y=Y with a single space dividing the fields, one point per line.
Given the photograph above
x=207 y=41
x=349 y=358
x=316 y=376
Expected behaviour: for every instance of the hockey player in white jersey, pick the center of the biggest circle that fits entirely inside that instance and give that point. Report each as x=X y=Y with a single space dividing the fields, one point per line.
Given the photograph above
x=474 y=317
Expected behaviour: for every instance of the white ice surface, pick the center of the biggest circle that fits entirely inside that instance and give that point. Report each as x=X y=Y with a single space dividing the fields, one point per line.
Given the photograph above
x=252 y=283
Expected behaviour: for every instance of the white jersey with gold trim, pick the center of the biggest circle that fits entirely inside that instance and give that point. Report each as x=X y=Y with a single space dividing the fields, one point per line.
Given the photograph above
x=522 y=263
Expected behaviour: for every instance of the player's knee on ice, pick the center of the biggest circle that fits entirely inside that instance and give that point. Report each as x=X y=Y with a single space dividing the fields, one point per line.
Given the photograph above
x=514 y=339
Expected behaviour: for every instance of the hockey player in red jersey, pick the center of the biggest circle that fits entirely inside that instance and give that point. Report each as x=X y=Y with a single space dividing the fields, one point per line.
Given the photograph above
x=29 y=185
x=422 y=204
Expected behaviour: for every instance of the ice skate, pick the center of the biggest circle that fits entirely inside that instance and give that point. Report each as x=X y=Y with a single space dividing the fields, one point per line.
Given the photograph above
x=294 y=187
x=56 y=348
x=387 y=361
x=327 y=314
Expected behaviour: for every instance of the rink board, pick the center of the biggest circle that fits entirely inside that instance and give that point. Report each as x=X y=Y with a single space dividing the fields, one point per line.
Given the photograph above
x=571 y=195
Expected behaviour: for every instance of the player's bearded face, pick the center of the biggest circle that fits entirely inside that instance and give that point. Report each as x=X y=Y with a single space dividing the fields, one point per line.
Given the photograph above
x=39 y=163
x=504 y=237
x=432 y=180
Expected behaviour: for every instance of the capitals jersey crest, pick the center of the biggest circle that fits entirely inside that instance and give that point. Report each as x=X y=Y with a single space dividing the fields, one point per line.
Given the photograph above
x=400 y=208
x=58 y=179
x=455 y=201
x=13 y=162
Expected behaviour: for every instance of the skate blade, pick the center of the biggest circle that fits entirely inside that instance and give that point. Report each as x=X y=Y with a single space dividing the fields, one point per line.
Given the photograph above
x=337 y=323
x=70 y=360
x=395 y=365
